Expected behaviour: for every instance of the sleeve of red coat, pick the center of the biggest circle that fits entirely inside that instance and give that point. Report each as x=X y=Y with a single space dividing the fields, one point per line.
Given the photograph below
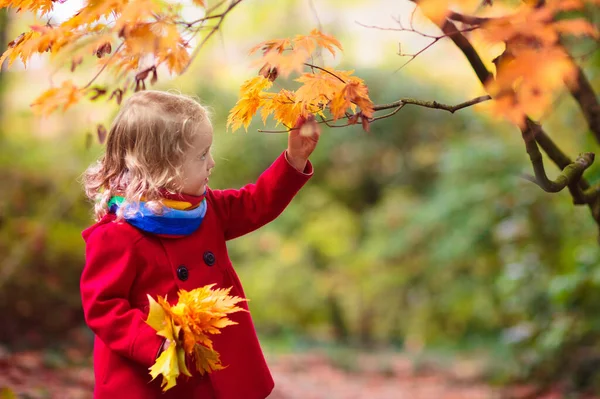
x=254 y=205
x=110 y=269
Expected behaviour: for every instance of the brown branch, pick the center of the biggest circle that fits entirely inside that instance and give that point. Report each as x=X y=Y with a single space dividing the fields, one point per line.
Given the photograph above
x=468 y=19
x=434 y=39
x=397 y=105
x=591 y=194
x=586 y=98
x=325 y=70
x=432 y=104
x=576 y=187
x=104 y=66
x=570 y=174
x=468 y=50
x=208 y=12
x=398 y=108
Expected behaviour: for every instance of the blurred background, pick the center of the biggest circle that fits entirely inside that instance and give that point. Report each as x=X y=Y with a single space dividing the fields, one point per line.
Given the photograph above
x=417 y=263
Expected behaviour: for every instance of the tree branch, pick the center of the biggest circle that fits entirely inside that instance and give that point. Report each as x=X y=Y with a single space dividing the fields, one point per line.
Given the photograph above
x=468 y=50
x=104 y=66
x=579 y=188
x=468 y=19
x=432 y=104
x=570 y=174
x=397 y=105
x=585 y=96
x=325 y=70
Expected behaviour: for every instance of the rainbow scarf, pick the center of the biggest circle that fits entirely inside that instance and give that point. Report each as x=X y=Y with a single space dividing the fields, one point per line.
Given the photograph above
x=183 y=214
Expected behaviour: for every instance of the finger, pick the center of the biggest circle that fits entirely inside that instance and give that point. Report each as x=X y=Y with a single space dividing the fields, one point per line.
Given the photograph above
x=299 y=122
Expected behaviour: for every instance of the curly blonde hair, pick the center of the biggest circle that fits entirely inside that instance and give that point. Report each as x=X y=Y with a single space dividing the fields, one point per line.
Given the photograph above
x=144 y=150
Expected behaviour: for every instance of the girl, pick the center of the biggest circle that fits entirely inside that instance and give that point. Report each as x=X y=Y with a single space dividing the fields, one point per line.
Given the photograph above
x=160 y=229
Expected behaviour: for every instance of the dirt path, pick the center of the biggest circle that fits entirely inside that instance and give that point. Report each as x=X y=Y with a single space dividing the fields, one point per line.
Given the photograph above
x=36 y=375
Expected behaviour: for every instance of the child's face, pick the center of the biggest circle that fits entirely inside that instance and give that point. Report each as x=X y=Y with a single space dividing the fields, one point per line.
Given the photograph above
x=198 y=161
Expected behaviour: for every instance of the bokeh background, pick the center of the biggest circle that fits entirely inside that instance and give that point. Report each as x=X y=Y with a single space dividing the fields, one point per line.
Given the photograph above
x=416 y=263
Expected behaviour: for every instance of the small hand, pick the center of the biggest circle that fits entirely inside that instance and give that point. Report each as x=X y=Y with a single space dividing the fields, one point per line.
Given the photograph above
x=302 y=140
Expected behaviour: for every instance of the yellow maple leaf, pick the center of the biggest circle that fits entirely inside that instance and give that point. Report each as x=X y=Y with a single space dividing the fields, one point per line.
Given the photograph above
x=186 y=325
x=251 y=98
x=170 y=364
x=284 y=107
x=157 y=316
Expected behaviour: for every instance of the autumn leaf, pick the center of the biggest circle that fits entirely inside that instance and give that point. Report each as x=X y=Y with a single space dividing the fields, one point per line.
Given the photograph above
x=520 y=90
x=534 y=65
x=35 y=6
x=576 y=27
x=64 y=96
x=157 y=316
x=435 y=10
x=326 y=41
x=206 y=360
x=289 y=55
x=336 y=89
x=284 y=107
x=251 y=98
x=167 y=366
x=20 y=48
x=187 y=326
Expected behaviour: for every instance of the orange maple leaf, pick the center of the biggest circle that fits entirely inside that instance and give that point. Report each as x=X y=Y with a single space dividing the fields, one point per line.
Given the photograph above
x=35 y=6
x=336 y=89
x=284 y=107
x=289 y=55
x=66 y=95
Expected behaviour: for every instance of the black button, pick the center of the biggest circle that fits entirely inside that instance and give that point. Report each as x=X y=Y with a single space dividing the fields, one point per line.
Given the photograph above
x=183 y=273
x=209 y=258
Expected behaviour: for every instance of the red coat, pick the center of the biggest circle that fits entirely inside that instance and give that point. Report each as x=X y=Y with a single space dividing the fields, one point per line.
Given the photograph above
x=123 y=264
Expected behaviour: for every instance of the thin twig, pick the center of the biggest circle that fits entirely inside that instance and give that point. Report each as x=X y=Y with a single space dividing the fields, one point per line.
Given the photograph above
x=319 y=52
x=433 y=104
x=104 y=66
x=398 y=108
x=434 y=39
x=324 y=70
x=397 y=105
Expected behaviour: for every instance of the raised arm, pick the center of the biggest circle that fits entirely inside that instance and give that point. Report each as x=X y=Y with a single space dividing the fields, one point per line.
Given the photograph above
x=254 y=205
x=245 y=210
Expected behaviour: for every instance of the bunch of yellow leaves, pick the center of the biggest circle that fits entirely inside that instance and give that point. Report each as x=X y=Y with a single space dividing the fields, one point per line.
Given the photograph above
x=186 y=325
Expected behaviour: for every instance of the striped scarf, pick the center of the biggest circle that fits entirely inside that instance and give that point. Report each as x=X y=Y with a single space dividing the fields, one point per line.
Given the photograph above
x=182 y=216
